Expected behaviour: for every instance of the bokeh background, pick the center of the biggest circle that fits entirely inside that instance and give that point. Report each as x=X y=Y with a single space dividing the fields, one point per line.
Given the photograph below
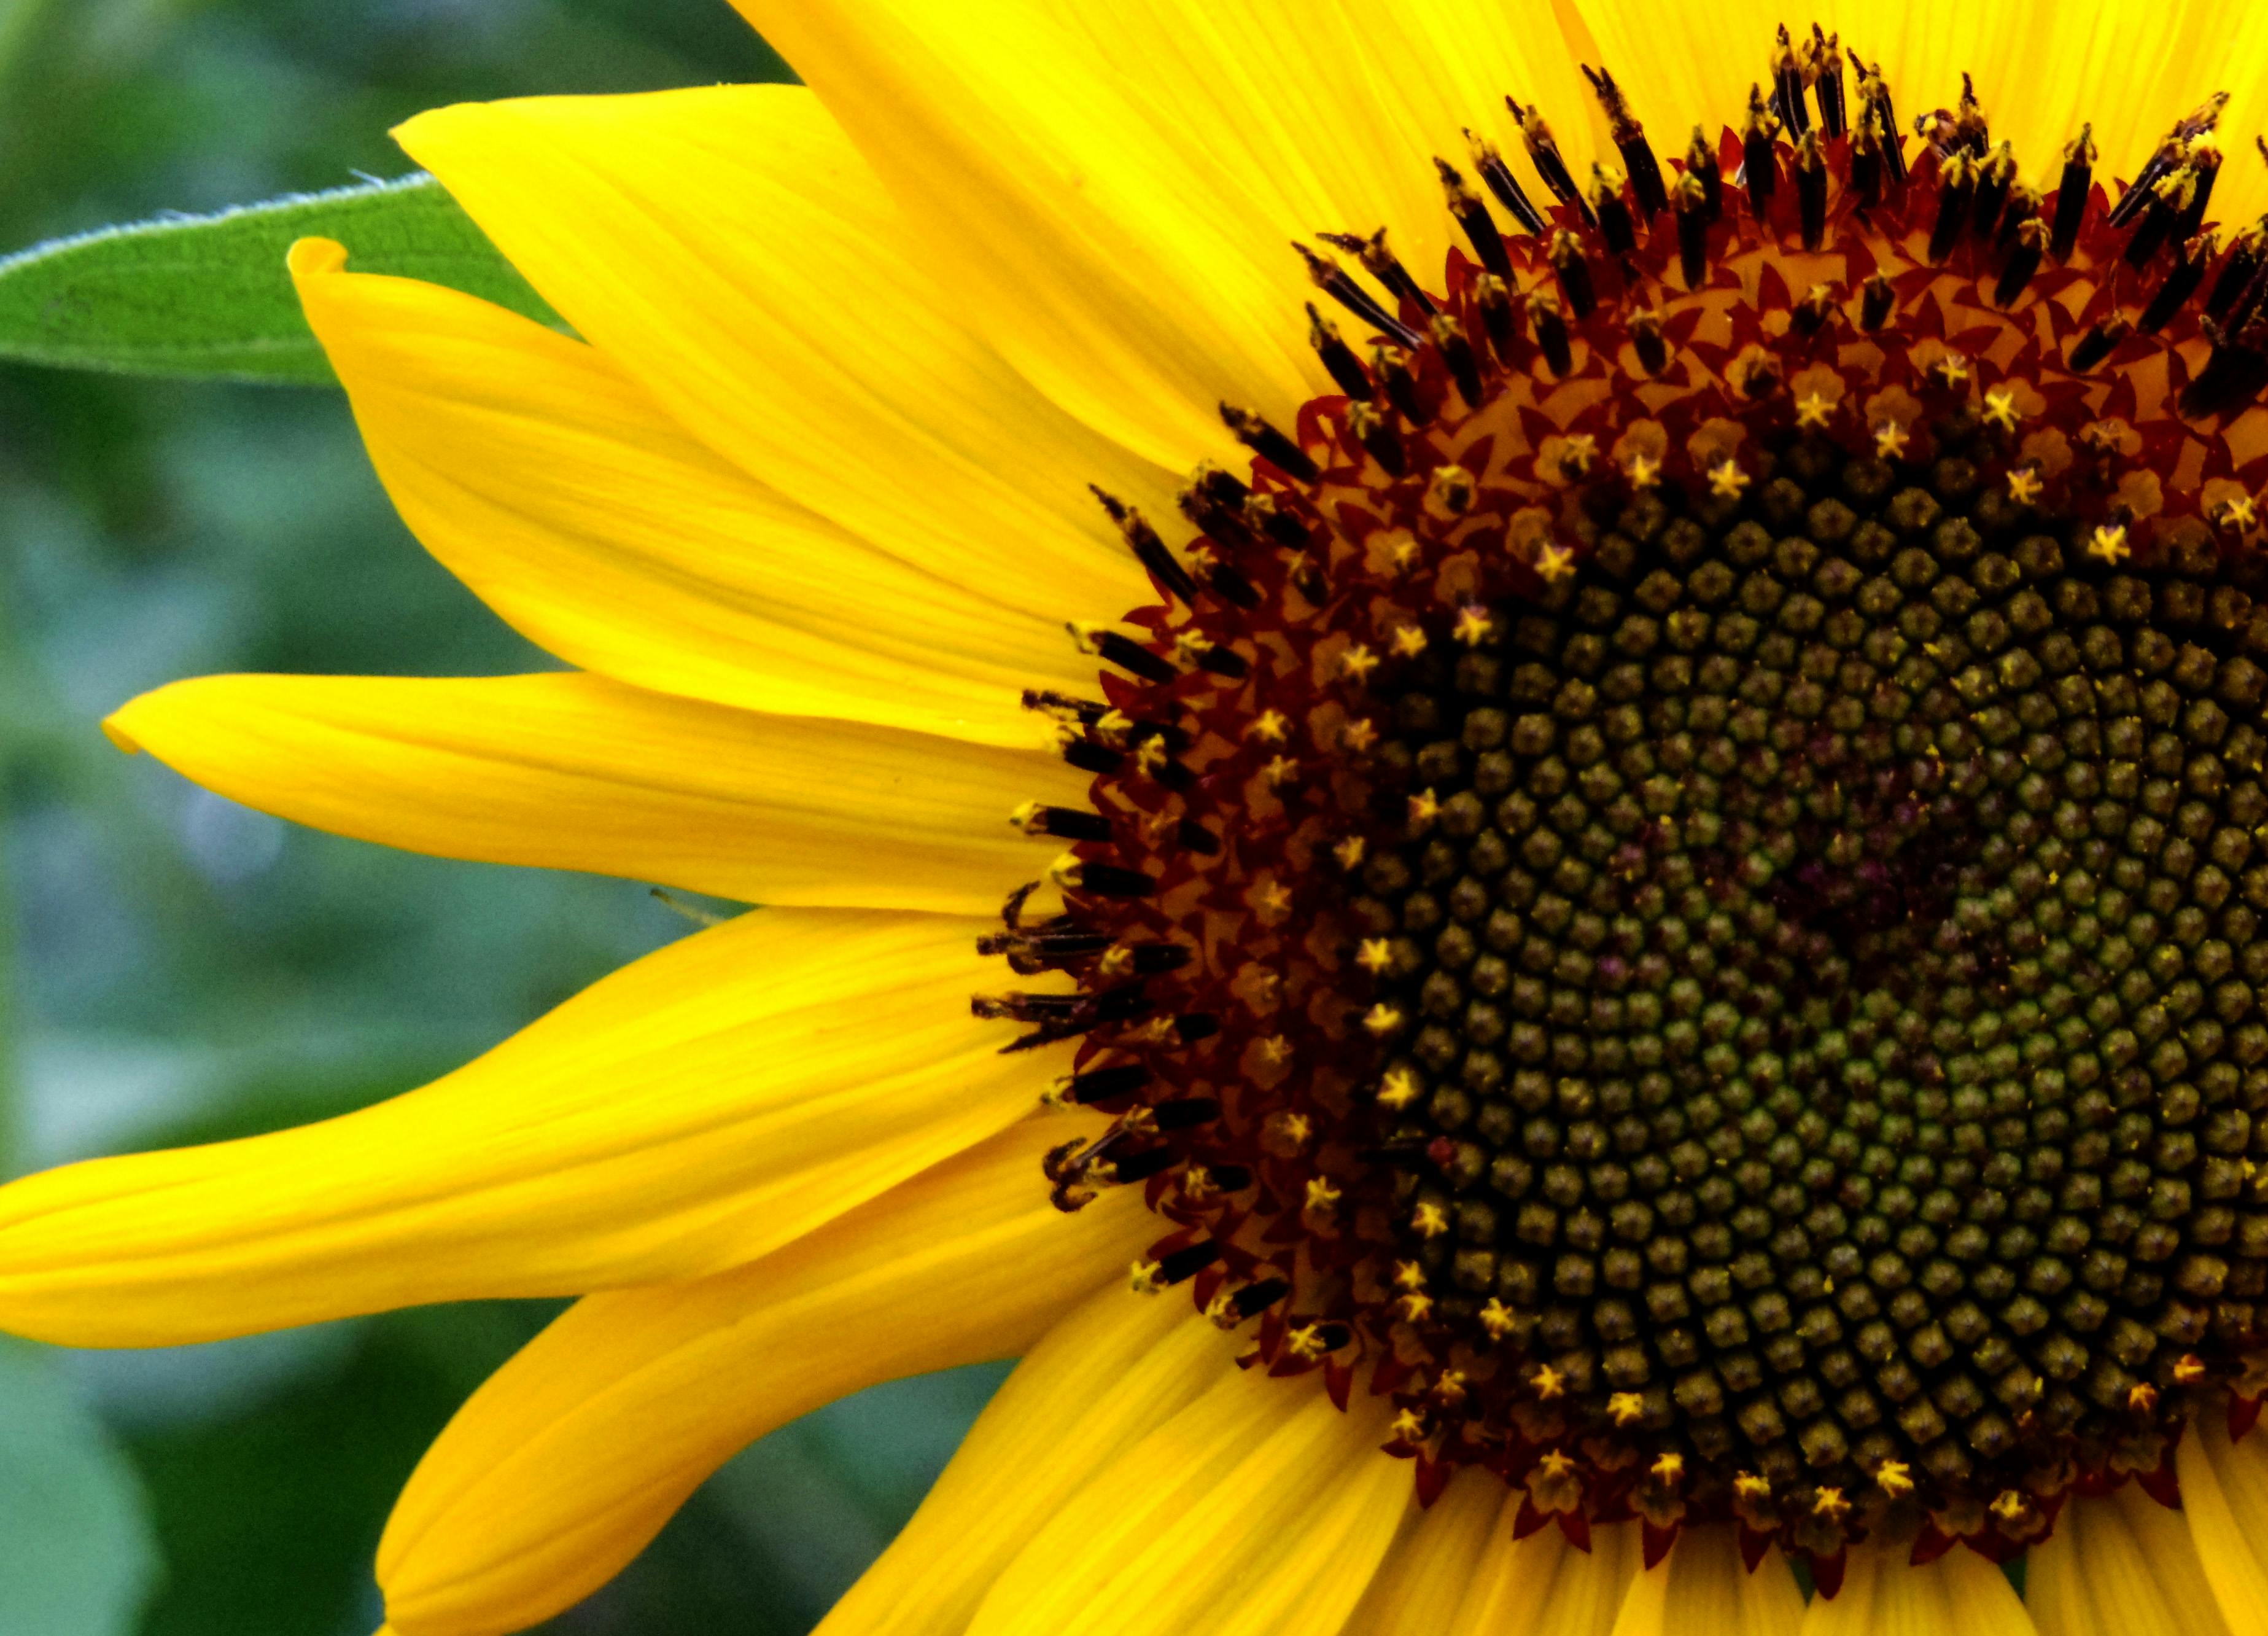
x=179 y=968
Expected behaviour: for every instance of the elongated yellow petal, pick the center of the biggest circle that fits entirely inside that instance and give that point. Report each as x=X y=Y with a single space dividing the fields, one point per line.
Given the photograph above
x=574 y=1453
x=1169 y=1536
x=1107 y=190
x=2120 y=1566
x=1313 y=1572
x=2225 y=1496
x=1103 y=1379
x=728 y=249
x=570 y=771
x=1425 y=1577
x=1544 y=1585
x=1883 y=1594
x=1703 y=1589
x=554 y=486
x=696 y=1109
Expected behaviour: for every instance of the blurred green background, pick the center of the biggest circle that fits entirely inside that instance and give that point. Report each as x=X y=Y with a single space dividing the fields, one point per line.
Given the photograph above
x=179 y=969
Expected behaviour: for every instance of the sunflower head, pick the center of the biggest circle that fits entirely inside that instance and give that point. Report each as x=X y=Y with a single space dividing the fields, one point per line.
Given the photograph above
x=1670 y=882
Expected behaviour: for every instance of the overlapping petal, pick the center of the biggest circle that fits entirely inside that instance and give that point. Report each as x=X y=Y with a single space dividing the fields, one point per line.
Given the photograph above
x=730 y=251
x=561 y=1467
x=1703 y=1587
x=555 y=487
x=1425 y=1577
x=1883 y=1594
x=2120 y=1566
x=1103 y=1379
x=1106 y=191
x=1545 y=1586
x=2225 y=1496
x=696 y=1109
x=574 y=771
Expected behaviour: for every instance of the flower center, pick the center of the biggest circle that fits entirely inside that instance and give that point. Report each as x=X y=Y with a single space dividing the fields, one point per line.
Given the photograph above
x=1673 y=883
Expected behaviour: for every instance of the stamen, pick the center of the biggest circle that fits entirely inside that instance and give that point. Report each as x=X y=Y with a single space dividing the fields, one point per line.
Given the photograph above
x=2079 y=155
x=1759 y=164
x=1692 y=204
x=1070 y=822
x=1393 y=369
x=1268 y=444
x=1550 y=330
x=1335 y=281
x=1811 y=190
x=1489 y=163
x=1378 y=438
x=1876 y=303
x=1993 y=179
x=1121 y=651
x=2023 y=262
x=1629 y=141
x=1787 y=87
x=1875 y=99
x=1616 y=225
x=1543 y=154
x=1493 y=297
x=1102 y=1085
x=1826 y=72
x=1457 y=354
x=2098 y=343
x=1956 y=192
x=2239 y=271
x=1567 y=261
x=2024 y=206
x=1338 y=358
x=1473 y=217
x=1701 y=164
x=1383 y=265
x=2179 y=284
x=1148 y=549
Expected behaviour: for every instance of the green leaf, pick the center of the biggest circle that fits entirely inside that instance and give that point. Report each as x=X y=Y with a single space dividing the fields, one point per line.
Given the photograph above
x=208 y=296
x=75 y=1555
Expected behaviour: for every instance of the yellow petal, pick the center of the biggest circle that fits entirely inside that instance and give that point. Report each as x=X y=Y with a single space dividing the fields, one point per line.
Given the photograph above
x=728 y=249
x=696 y=1109
x=1173 y=1534
x=1103 y=1379
x=2120 y=1566
x=553 y=485
x=1703 y=1589
x=571 y=771
x=1107 y=190
x=570 y=1458
x=2225 y=1496
x=1542 y=1586
x=1417 y=1590
x=1883 y=1594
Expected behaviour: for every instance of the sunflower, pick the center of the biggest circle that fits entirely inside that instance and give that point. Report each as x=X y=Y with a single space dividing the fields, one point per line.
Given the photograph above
x=1571 y=944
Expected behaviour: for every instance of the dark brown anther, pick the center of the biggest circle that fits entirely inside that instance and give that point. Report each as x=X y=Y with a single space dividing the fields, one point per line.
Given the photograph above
x=1392 y=368
x=2162 y=214
x=1339 y=358
x=1268 y=443
x=2181 y=282
x=1215 y=507
x=1574 y=273
x=1124 y=651
x=1223 y=661
x=1811 y=189
x=2072 y=193
x=1104 y=1085
x=1615 y=224
x=1179 y=1266
x=1701 y=164
x=1384 y=446
x=1811 y=313
x=1970 y=132
x=1759 y=165
x=1382 y=264
x=1876 y=302
x=1255 y=1299
x=1498 y=316
x=1544 y=151
x=2023 y=262
x=1825 y=58
x=2024 y=206
x=1629 y=141
x=1866 y=162
x=1285 y=528
x=1647 y=340
x=1148 y=549
x=1229 y=584
x=1488 y=164
x=1787 y=86
x=1088 y=757
x=2232 y=377
x=1337 y=283
x=1957 y=192
x=2243 y=263
x=1457 y=353
x=1874 y=96
x=1473 y=217
x=1994 y=177
x=2098 y=343
x=1073 y=823
x=1550 y=330
x=1692 y=230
